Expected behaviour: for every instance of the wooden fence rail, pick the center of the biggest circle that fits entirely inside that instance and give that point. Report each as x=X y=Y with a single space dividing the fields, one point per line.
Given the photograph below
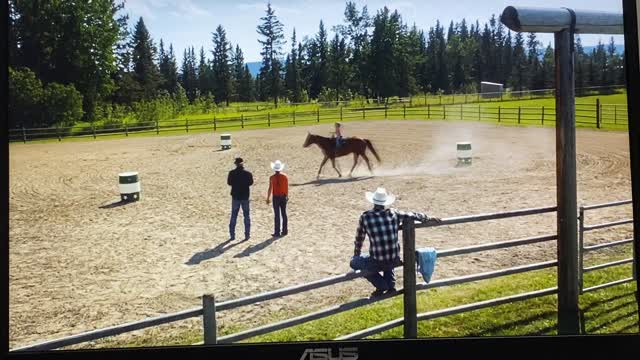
x=598 y=116
x=210 y=308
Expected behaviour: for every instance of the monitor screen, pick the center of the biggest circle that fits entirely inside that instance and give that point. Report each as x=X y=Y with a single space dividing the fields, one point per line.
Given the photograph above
x=189 y=173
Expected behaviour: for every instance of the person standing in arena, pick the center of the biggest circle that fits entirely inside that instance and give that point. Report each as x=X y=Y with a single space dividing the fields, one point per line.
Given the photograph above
x=279 y=186
x=240 y=181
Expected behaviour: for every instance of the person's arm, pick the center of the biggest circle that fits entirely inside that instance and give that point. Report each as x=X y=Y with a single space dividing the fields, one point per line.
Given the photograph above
x=230 y=178
x=250 y=178
x=422 y=217
x=270 y=187
x=286 y=185
x=360 y=234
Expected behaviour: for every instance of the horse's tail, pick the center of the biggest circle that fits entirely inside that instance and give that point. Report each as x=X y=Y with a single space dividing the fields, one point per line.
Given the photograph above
x=373 y=150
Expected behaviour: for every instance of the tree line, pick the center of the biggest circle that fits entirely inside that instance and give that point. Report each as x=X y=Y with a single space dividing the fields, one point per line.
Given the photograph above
x=73 y=61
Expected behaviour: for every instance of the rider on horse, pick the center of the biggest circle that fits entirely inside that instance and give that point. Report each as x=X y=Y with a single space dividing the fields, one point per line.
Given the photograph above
x=339 y=137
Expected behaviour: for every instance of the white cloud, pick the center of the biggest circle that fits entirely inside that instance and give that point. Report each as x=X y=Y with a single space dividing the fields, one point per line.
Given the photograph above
x=150 y=8
x=262 y=6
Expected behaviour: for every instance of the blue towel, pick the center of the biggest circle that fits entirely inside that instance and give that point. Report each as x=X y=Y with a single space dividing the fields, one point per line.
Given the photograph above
x=426 y=259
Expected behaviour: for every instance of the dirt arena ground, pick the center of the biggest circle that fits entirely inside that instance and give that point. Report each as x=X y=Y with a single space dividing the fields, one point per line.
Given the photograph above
x=79 y=263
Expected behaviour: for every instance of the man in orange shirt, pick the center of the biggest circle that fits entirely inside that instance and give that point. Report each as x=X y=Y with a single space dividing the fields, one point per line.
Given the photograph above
x=279 y=186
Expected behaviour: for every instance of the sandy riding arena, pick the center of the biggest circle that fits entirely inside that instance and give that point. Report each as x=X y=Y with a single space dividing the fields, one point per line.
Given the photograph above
x=79 y=261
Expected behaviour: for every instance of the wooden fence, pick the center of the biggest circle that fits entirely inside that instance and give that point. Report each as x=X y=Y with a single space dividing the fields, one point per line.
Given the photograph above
x=210 y=308
x=596 y=115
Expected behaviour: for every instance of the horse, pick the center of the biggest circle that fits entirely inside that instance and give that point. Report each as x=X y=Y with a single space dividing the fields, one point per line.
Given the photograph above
x=351 y=145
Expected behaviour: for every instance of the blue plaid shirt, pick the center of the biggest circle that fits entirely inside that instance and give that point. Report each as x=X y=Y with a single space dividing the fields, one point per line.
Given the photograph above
x=382 y=228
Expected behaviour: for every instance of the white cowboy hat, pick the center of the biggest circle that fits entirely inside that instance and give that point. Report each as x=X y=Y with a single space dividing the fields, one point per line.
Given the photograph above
x=380 y=197
x=277 y=165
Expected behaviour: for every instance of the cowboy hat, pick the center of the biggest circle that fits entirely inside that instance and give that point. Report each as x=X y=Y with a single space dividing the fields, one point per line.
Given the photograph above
x=380 y=197
x=277 y=165
x=238 y=161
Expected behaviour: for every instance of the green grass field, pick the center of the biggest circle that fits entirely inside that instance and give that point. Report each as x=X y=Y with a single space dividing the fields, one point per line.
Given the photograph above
x=607 y=311
x=507 y=112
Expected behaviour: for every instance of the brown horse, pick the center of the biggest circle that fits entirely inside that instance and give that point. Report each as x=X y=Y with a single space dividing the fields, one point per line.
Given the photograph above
x=351 y=145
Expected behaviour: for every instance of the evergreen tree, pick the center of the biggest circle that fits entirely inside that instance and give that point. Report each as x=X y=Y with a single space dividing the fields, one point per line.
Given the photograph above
x=146 y=73
x=221 y=68
x=339 y=67
x=238 y=73
x=272 y=42
x=519 y=60
x=534 y=71
x=292 y=78
x=319 y=62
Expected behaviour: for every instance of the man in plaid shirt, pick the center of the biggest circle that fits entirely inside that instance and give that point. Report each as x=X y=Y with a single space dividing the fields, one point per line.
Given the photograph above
x=384 y=248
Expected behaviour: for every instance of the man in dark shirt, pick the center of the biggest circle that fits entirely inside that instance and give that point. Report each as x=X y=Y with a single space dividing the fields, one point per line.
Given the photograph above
x=240 y=180
x=381 y=225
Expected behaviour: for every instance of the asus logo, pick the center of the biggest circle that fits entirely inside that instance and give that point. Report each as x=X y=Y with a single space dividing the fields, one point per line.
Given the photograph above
x=327 y=354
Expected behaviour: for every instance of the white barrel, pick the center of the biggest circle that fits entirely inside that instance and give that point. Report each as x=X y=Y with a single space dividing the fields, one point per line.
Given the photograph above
x=225 y=141
x=464 y=151
x=129 y=183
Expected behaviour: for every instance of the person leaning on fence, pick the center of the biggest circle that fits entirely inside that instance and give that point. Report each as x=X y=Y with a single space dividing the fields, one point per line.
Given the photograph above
x=279 y=186
x=381 y=225
x=240 y=181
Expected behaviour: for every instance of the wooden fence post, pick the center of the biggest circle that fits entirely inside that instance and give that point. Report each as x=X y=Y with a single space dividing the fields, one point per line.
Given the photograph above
x=209 y=319
x=542 y=115
x=404 y=109
x=499 y=112
x=428 y=111
x=363 y=113
x=615 y=114
x=214 y=122
x=58 y=132
x=93 y=129
x=479 y=113
x=519 y=111
x=294 y=117
x=444 y=112
x=598 y=113
x=409 y=288
x=126 y=129
x=187 y=125
x=269 y=119
x=461 y=114
x=318 y=115
x=24 y=135
x=157 y=127
x=341 y=107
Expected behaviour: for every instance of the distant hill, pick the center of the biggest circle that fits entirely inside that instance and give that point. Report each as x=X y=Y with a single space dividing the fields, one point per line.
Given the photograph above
x=254 y=68
x=619 y=49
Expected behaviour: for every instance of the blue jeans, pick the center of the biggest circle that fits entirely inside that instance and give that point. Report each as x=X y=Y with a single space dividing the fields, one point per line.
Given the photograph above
x=235 y=209
x=383 y=282
x=280 y=208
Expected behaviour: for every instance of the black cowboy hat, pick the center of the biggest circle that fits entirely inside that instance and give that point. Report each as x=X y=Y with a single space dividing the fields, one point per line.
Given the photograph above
x=238 y=161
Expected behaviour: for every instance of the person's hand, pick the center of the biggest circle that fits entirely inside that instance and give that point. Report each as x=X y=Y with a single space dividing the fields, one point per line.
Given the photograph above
x=356 y=253
x=268 y=201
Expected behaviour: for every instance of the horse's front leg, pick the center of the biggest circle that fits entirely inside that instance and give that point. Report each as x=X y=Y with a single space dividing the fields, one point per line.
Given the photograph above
x=355 y=162
x=322 y=165
x=333 y=162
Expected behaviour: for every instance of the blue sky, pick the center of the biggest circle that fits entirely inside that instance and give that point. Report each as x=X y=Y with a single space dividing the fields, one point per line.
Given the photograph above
x=187 y=23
